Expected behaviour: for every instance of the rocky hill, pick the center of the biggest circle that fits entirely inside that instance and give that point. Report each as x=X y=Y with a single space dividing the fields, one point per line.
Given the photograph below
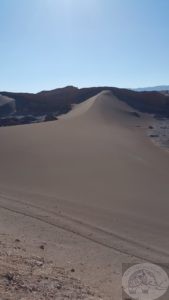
x=47 y=105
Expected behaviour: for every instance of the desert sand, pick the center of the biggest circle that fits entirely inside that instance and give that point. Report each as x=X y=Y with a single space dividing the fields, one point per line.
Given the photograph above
x=92 y=186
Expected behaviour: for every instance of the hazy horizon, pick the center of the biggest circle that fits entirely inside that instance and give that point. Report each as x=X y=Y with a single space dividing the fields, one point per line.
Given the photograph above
x=145 y=88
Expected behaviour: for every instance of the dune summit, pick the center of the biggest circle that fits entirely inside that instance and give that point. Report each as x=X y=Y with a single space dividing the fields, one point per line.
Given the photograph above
x=48 y=105
x=96 y=174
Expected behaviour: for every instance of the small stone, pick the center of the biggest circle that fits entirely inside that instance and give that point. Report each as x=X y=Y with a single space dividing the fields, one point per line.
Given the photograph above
x=39 y=263
x=9 y=276
x=17 y=240
x=42 y=247
x=154 y=135
x=72 y=270
x=59 y=286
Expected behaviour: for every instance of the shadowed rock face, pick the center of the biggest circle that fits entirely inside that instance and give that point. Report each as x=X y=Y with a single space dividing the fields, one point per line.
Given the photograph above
x=7 y=105
x=59 y=101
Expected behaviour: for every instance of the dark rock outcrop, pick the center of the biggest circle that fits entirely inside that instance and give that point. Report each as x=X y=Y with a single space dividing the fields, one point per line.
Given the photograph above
x=59 y=101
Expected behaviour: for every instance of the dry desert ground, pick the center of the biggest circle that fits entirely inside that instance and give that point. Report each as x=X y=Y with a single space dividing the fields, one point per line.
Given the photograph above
x=78 y=198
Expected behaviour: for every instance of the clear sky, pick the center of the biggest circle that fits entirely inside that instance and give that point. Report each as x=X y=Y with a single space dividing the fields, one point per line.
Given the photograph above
x=46 y=44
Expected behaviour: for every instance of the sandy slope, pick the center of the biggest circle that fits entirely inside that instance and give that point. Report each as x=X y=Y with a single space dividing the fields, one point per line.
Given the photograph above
x=93 y=173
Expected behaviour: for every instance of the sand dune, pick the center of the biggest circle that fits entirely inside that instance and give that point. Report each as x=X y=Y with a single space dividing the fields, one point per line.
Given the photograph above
x=102 y=108
x=94 y=171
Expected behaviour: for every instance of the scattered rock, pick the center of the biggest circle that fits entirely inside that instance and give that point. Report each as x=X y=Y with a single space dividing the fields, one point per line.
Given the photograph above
x=135 y=114
x=9 y=276
x=32 y=277
x=50 y=117
x=153 y=135
x=17 y=240
x=72 y=270
x=39 y=263
x=59 y=286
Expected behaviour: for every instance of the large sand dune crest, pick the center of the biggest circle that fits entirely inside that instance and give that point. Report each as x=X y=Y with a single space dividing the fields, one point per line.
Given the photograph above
x=97 y=165
x=104 y=107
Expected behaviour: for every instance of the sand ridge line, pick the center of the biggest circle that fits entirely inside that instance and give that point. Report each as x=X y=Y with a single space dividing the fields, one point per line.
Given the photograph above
x=97 y=235
x=94 y=229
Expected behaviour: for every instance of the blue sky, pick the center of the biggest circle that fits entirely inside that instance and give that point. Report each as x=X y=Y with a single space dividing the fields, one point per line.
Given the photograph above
x=46 y=44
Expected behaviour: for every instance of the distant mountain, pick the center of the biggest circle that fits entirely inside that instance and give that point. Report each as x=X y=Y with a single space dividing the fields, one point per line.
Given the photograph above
x=47 y=105
x=154 y=88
